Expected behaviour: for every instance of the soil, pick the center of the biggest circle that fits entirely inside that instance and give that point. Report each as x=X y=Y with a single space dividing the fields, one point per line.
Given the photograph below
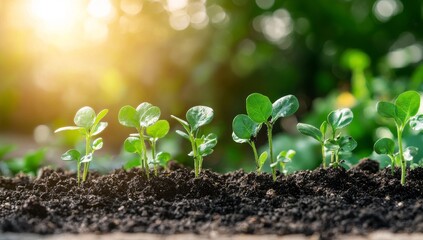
x=326 y=202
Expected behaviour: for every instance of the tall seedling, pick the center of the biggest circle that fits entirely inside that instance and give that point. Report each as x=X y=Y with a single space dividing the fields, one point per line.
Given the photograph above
x=405 y=107
x=89 y=125
x=261 y=110
x=202 y=145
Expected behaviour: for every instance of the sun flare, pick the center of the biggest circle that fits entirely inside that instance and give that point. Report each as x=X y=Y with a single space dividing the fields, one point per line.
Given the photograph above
x=54 y=16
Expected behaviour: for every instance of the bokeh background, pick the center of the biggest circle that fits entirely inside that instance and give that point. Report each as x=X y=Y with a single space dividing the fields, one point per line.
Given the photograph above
x=59 y=55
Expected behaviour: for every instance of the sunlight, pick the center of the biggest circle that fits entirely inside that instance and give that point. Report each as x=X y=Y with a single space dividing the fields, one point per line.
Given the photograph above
x=100 y=8
x=54 y=15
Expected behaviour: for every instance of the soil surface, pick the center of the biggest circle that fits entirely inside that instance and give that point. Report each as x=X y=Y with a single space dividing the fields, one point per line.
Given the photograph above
x=324 y=202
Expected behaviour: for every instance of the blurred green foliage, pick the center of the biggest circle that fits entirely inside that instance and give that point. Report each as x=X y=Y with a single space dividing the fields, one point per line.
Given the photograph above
x=180 y=53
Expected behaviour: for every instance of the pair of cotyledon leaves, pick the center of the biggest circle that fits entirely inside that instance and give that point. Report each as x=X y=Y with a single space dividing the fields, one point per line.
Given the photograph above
x=261 y=110
x=88 y=123
x=197 y=117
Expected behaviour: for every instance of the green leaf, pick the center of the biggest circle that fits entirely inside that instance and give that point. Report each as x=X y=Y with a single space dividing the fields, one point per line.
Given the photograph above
x=158 y=129
x=262 y=159
x=347 y=143
x=244 y=127
x=199 y=116
x=150 y=116
x=182 y=122
x=284 y=107
x=128 y=117
x=208 y=144
x=6 y=149
x=97 y=144
x=331 y=145
x=133 y=145
x=286 y=156
x=340 y=118
x=71 y=155
x=323 y=129
x=69 y=128
x=85 y=117
x=386 y=109
x=407 y=105
x=87 y=158
x=163 y=158
x=182 y=134
x=384 y=146
x=416 y=123
x=100 y=116
x=410 y=153
x=238 y=140
x=32 y=161
x=99 y=128
x=259 y=107
x=310 y=131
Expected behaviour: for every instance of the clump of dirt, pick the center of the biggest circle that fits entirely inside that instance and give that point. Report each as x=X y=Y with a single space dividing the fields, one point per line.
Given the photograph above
x=327 y=202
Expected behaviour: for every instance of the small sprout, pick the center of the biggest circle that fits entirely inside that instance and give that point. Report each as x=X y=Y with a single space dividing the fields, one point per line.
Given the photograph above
x=283 y=158
x=336 y=144
x=261 y=110
x=202 y=146
x=402 y=111
x=145 y=119
x=387 y=146
x=89 y=125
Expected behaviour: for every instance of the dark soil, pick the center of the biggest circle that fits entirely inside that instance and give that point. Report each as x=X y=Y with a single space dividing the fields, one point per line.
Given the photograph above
x=323 y=202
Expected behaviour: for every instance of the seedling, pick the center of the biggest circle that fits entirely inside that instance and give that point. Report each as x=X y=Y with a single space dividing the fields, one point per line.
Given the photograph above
x=197 y=117
x=336 y=143
x=318 y=134
x=282 y=159
x=89 y=125
x=245 y=130
x=387 y=146
x=403 y=110
x=261 y=110
x=145 y=119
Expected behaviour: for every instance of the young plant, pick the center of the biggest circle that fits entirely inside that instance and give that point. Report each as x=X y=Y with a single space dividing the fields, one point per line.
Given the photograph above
x=338 y=144
x=202 y=146
x=387 y=146
x=261 y=110
x=89 y=125
x=282 y=159
x=318 y=134
x=145 y=119
x=404 y=108
x=245 y=130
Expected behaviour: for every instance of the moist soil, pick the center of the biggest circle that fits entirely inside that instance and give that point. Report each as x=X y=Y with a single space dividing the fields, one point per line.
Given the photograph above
x=324 y=202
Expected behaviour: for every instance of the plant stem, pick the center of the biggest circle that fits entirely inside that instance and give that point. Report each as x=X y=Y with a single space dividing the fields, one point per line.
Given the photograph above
x=196 y=158
x=87 y=151
x=78 y=172
x=392 y=164
x=253 y=146
x=323 y=156
x=401 y=152
x=153 y=156
x=269 y=138
x=144 y=158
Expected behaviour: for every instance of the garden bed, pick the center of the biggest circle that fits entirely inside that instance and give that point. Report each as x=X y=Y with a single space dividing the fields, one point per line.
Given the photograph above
x=327 y=203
